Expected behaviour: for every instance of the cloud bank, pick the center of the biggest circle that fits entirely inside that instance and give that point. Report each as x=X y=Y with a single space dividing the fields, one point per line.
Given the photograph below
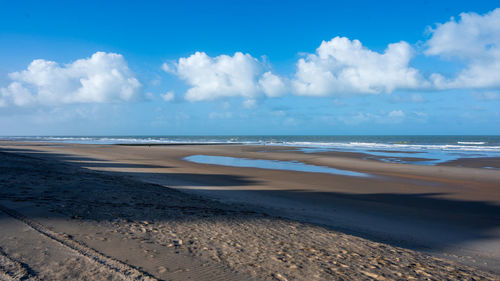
x=342 y=66
x=225 y=76
x=102 y=78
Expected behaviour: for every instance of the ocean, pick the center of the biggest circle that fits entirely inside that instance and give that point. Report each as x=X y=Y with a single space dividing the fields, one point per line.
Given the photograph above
x=430 y=150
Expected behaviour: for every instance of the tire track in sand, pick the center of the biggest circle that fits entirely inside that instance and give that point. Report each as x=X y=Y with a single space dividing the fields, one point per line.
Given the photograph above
x=127 y=271
x=11 y=269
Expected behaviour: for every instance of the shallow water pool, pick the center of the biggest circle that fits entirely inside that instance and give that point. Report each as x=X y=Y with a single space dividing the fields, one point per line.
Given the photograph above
x=271 y=164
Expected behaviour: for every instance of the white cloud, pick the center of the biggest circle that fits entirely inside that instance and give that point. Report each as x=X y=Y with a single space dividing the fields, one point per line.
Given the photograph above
x=341 y=66
x=420 y=114
x=168 y=96
x=475 y=40
x=272 y=85
x=345 y=67
x=396 y=114
x=224 y=76
x=251 y=103
x=104 y=77
x=167 y=68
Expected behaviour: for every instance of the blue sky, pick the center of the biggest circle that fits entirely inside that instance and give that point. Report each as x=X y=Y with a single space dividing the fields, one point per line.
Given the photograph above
x=249 y=67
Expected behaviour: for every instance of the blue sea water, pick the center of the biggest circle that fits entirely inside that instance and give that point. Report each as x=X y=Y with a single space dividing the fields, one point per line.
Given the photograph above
x=431 y=149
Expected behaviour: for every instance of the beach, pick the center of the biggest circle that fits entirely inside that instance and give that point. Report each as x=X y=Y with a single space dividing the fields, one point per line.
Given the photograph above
x=143 y=212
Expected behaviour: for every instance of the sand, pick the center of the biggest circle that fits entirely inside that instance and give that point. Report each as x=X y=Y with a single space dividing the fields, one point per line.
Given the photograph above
x=93 y=212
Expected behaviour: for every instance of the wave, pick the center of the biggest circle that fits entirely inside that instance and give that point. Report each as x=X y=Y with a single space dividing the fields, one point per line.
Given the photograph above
x=452 y=145
x=397 y=146
x=471 y=142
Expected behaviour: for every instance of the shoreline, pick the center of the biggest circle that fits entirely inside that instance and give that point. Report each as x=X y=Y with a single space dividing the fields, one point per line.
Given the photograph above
x=420 y=206
x=411 y=157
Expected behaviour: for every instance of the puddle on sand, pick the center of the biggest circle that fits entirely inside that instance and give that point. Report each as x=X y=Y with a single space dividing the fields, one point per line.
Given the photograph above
x=270 y=164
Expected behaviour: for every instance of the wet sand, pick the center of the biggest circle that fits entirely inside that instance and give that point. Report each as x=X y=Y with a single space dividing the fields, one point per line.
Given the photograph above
x=148 y=211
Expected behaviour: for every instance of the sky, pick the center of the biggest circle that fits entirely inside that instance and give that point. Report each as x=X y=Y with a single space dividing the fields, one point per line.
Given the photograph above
x=249 y=67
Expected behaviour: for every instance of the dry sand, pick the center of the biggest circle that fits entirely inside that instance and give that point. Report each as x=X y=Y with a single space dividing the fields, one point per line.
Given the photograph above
x=93 y=212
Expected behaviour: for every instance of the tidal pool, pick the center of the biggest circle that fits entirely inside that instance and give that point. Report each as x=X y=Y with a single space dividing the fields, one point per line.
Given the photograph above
x=270 y=164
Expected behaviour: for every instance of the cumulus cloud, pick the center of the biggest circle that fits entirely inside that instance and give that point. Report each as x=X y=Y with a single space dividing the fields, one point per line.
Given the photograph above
x=272 y=85
x=475 y=40
x=104 y=77
x=342 y=66
x=168 y=96
x=225 y=76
